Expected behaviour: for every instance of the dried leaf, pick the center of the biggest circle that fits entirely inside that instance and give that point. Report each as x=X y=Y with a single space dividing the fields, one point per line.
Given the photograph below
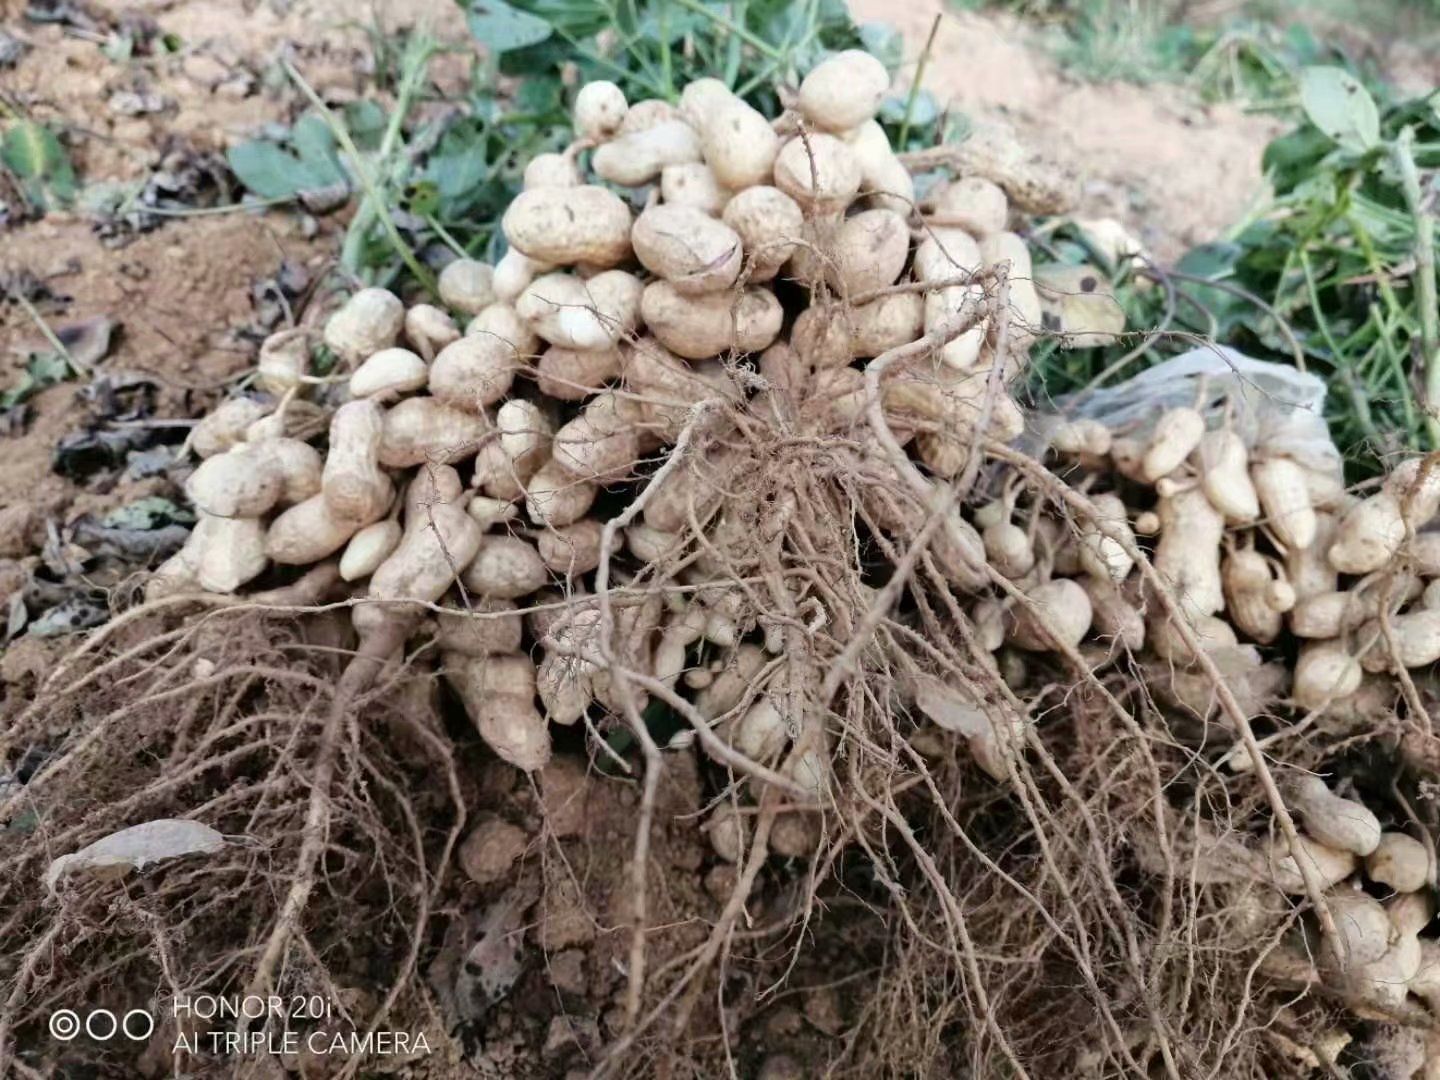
x=114 y=856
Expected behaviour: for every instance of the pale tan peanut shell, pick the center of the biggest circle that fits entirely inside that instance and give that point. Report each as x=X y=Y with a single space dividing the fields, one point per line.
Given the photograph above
x=504 y=568
x=972 y=203
x=1411 y=912
x=870 y=251
x=368 y=548
x=1330 y=614
x=884 y=181
x=741 y=667
x=369 y=321
x=555 y=498
x=575 y=374
x=243 y=482
x=700 y=98
x=489 y=512
x=496 y=474
x=513 y=273
x=727 y=831
x=1308 y=569
x=284 y=360
x=228 y=552
x=1083 y=436
x=1399 y=861
x=1333 y=820
x=1417 y=641
x=1424 y=554
x=353 y=484
x=571 y=550
x=630 y=160
x=1329 y=866
x=562 y=226
x=821 y=336
x=1058 y=610
x=576 y=314
x=1369 y=536
x=504 y=323
x=1113 y=615
x=467 y=286
x=768 y=223
x=307 y=533
x=428 y=330
x=388 y=374
x=1324 y=672
x=552 y=170
x=1364 y=930
x=419 y=430
x=1247 y=580
x=818 y=171
x=498 y=694
x=1008 y=548
x=488 y=626
x=300 y=465
x=601 y=444
x=1425 y=984
x=688 y=248
x=738 y=142
x=1280 y=485
x=760 y=733
x=651 y=545
x=647 y=114
x=1385 y=982
x=439 y=540
x=1177 y=433
x=810 y=770
x=886 y=323
x=844 y=90
x=942 y=306
x=795 y=835
x=1101 y=553
x=1126 y=454
x=693 y=185
x=472 y=373
x=697 y=327
x=1430 y=599
x=1225 y=476
x=1027 y=316
x=225 y=426
x=1187 y=556
x=526 y=431
x=1214 y=635
x=946 y=253
x=1416 y=484
x=599 y=110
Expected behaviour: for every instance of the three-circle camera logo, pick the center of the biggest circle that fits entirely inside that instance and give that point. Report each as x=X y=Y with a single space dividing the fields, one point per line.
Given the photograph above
x=102 y=1025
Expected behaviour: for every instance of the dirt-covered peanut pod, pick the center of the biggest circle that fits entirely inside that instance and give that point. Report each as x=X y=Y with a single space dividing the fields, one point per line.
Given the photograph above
x=563 y=226
x=354 y=486
x=243 y=482
x=514 y=273
x=284 y=361
x=688 y=248
x=1248 y=580
x=972 y=203
x=556 y=498
x=498 y=693
x=428 y=329
x=602 y=443
x=422 y=430
x=1331 y=819
x=1056 y=614
x=1177 y=433
x=1188 y=554
x=1325 y=672
x=769 y=224
x=694 y=185
x=388 y=374
x=368 y=548
x=467 y=286
x=472 y=373
x=843 y=91
x=221 y=555
x=638 y=157
x=1369 y=535
x=226 y=426
x=884 y=180
x=1104 y=540
x=369 y=321
x=1224 y=465
x=712 y=324
x=1401 y=862
x=574 y=314
x=1285 y=501
x=818 y=171
x=599 y=110
x=1416 y=636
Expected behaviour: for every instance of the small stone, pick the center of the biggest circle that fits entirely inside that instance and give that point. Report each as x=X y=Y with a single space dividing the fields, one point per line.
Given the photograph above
x=720 y=882
x=822 y=1009
x=567 y=972
x=19 y=530
x=561 y=918
x=491 y=849
x=564 y=789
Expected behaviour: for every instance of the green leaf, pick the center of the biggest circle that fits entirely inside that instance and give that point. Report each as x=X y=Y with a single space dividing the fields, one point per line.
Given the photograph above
x=272 y=172
x=1339 y=106
x=42 y=370
x=148 y=514
x=365 y=120
x=501 y=28
x=884 y=42
x=33 y=153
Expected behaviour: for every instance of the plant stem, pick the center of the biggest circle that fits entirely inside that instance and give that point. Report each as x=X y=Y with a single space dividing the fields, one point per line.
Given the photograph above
x=76 y=368
x=367 y=182
x=1402 y=154
x=916 y=83
x=759 y=44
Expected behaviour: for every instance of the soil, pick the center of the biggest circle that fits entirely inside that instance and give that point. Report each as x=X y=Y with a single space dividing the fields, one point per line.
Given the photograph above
x=1176 y=172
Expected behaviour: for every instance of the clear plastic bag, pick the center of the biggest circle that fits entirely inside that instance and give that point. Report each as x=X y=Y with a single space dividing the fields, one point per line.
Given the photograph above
x=1277 y=409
